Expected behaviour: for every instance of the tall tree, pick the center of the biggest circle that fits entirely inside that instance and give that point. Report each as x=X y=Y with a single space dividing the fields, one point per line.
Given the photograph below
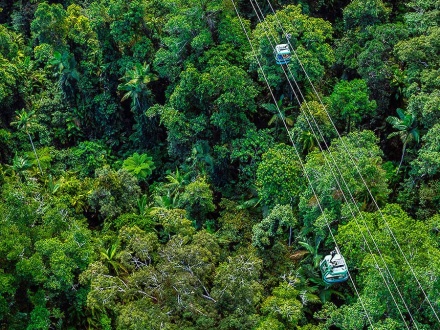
x=407 y=130
x=347 y=160
x=350 y=101
x=279 y=176
x=23 y=121
x=135 y=85
x=360 y=14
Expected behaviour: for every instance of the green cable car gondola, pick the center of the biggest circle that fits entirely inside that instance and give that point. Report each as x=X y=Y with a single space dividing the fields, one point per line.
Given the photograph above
x=282 y=54
x=333 y=268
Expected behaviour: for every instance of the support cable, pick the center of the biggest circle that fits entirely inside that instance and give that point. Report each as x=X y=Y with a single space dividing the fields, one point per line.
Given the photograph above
x=299 y=157
x=334 y=174
x=357 y=169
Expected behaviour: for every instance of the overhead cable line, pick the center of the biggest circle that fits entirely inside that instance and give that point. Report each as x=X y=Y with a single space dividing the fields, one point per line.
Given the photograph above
x=264 y=22
x=357 y=169
x=299 y=157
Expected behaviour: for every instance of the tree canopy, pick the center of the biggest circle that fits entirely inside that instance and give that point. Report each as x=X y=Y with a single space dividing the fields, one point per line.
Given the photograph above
x=159 y=169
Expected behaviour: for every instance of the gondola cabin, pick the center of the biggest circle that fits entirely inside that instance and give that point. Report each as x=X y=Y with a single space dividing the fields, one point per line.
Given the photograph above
x=282 y=54
x=333 y=268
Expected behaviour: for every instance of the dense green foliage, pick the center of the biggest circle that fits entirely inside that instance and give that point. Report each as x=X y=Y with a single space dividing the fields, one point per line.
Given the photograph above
x=148 y=180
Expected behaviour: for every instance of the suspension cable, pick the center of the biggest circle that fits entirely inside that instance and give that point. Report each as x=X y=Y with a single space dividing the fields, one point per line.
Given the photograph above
x=299 y=158
x=357 y=169
x=332 y=170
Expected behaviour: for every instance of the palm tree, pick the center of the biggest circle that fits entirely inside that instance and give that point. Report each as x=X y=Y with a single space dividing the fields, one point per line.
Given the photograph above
x=279 y=113
x=407 y=130
x=176 y=181
x=308 y=141
x=109 y=256
x=24 y=120
x=20 y=165
x=167 y=200
x=135 y=86
x=141 y=166
x=142 y=204
x=313 y=250
x=64 y=65
x=168 y=195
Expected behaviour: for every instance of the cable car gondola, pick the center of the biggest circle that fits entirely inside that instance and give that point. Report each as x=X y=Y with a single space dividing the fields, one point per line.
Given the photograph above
x=282 y=54
x=333 y=268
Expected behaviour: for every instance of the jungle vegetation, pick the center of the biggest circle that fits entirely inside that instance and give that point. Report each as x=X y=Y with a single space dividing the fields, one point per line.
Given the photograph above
x=152 y=177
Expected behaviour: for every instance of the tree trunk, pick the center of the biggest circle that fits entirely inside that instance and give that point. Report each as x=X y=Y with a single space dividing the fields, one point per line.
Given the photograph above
x=290 y=236
x=403 y=154
x=35 y=152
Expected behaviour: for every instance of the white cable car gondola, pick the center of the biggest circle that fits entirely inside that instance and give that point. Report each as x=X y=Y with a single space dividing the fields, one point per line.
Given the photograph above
x=333 y=268
x=282 y=54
